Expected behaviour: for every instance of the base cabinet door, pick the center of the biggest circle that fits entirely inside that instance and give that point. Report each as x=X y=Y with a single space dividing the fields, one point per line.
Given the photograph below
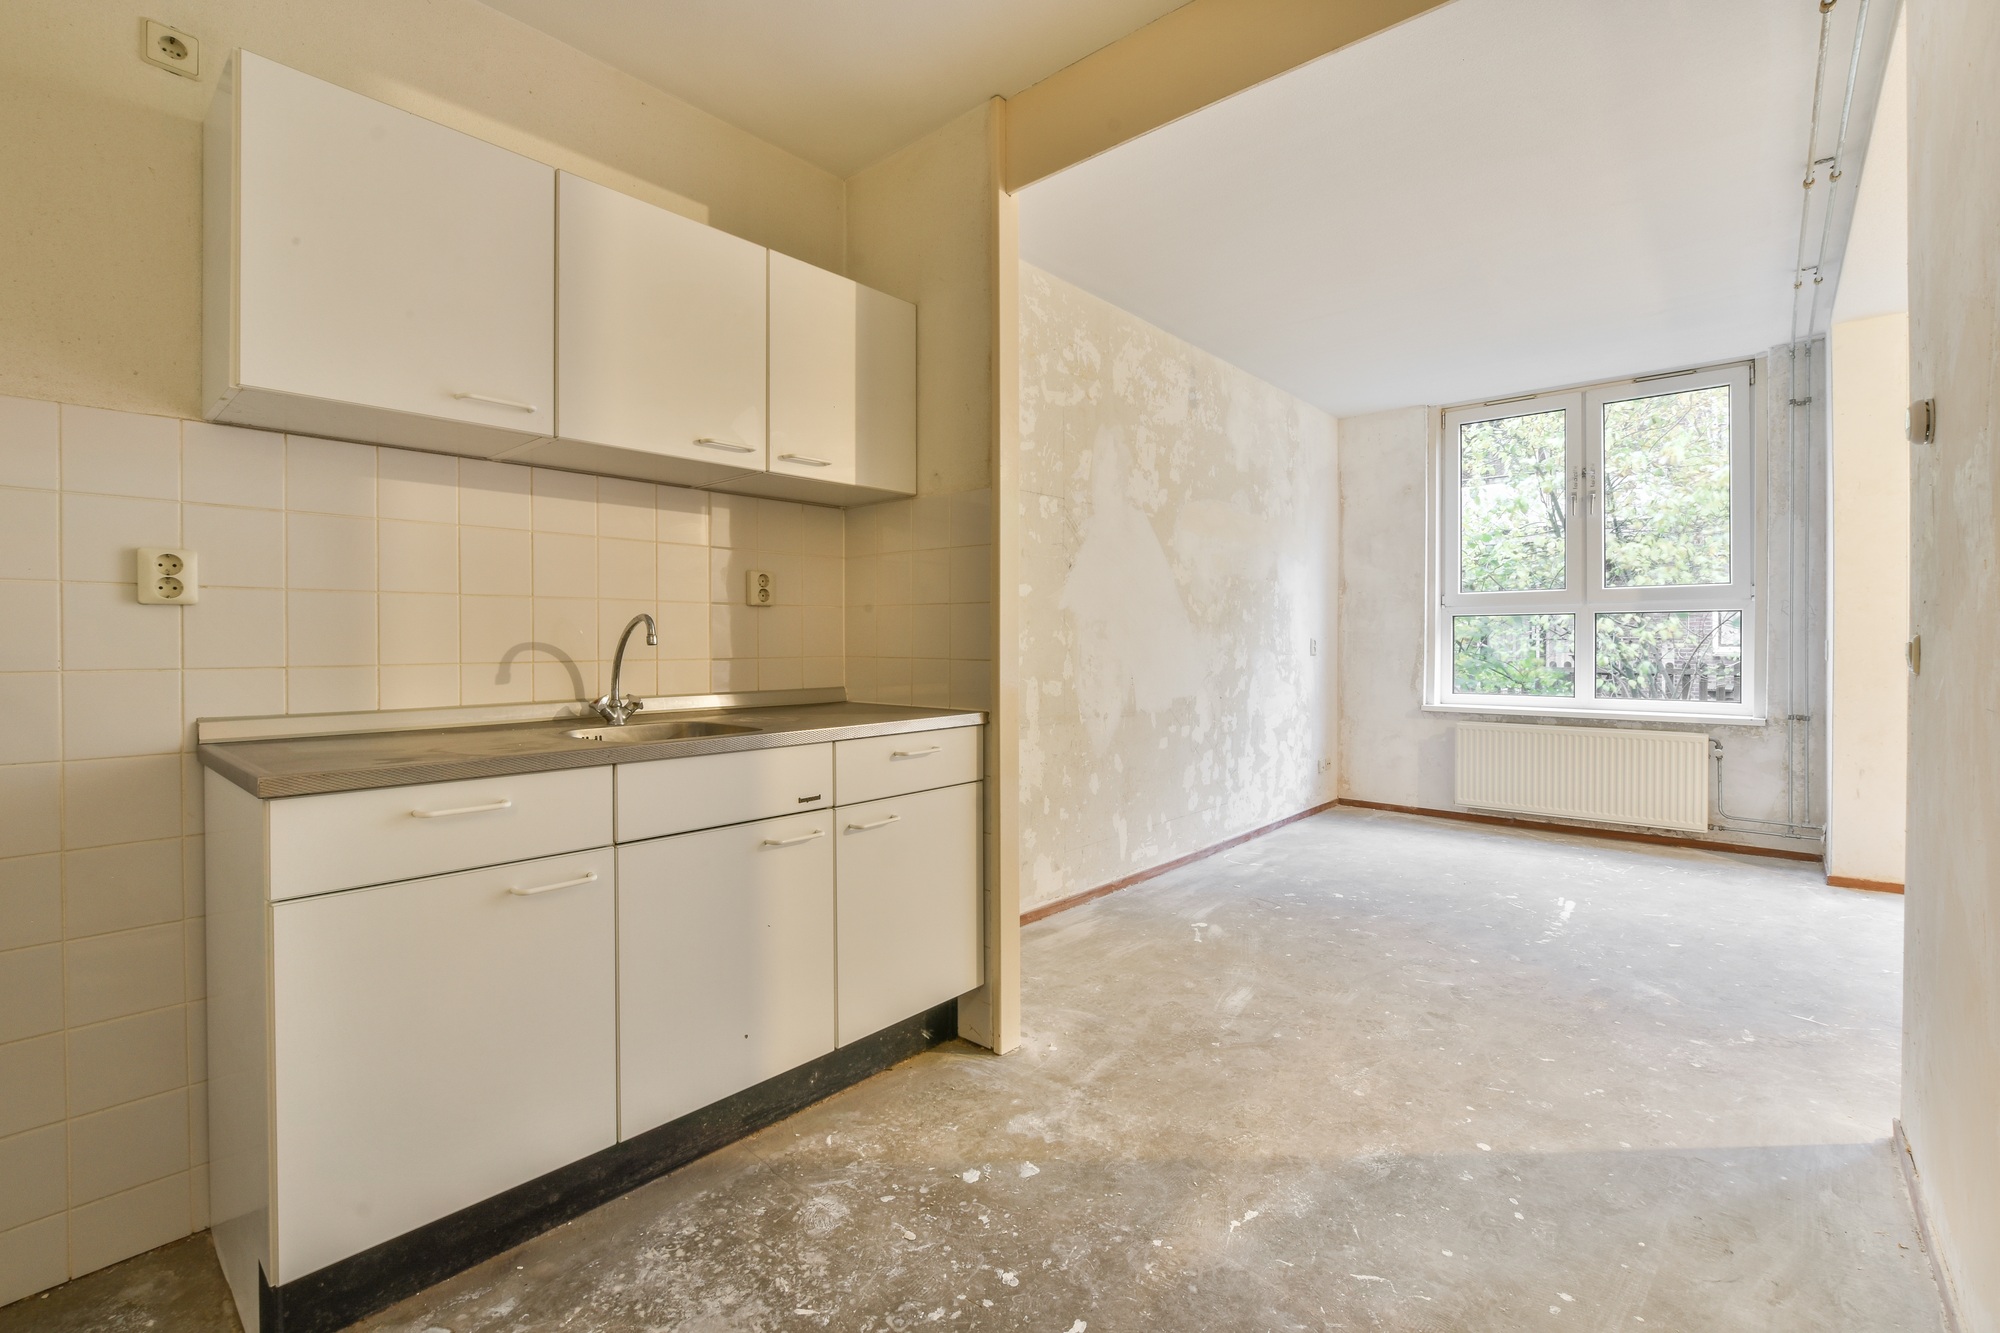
x=725 y=963
x=908 y=906
x=436 y=1042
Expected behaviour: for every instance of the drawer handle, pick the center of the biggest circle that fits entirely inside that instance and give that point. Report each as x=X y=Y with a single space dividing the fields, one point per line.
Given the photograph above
x=707 y=443
x=587 y=877
x=497 y=402
x=504 y=803
x=879 y=823
x=806 y=459
x=793 y=842
x=914 y=754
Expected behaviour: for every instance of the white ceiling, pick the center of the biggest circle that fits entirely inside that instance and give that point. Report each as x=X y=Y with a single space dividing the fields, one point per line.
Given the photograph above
x=1496 y=197
x=839 y=84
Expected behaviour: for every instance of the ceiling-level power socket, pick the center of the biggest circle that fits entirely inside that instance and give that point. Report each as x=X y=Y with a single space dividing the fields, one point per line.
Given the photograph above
x=758 y=589
x=167 y=577
x=171 y=49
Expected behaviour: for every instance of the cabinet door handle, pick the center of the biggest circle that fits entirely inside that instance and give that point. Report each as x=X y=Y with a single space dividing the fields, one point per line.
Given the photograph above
x=707 y=443
x=809 y=462
x=497 y=402
x=793 y=842
x=879 y=823
x=915 y=754
x=587 y=877
x=502 y=804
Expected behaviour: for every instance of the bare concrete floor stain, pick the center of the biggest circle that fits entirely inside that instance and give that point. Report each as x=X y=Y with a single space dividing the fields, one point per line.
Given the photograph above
x=1369 y=1072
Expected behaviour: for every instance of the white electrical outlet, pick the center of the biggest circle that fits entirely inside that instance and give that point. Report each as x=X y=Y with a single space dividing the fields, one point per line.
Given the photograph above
x=172 y=49
x=757 y=589
x=167 y=577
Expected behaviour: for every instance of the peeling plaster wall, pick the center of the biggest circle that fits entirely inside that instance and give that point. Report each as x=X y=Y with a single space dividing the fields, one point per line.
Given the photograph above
x=1396 y=753
x=1951 y=971
x=1177 y=567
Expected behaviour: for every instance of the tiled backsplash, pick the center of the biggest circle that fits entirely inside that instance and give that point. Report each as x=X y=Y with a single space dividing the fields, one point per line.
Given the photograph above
x=919 y=593
x=333 y=576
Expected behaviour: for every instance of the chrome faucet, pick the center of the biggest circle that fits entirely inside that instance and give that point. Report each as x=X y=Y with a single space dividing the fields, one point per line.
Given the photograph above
x=614 y=707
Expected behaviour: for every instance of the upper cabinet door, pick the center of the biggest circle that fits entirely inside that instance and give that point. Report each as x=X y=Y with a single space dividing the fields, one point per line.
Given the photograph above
x=385 y=262
x=813 y=371
x=660 y=331
x=885 y=409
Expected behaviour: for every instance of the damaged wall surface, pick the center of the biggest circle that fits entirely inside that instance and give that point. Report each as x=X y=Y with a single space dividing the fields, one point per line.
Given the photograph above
x=1396 y=752
x=1177 y=596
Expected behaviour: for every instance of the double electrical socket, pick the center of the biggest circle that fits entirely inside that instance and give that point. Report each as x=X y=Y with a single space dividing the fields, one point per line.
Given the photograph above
x=167 y=577
x=758 y=589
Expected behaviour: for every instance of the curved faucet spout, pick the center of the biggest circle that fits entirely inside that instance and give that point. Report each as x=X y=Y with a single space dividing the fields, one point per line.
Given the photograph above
x=614 y=707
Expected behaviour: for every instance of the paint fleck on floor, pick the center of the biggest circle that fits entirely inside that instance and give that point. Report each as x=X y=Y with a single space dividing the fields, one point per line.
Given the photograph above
x=1368 y=1072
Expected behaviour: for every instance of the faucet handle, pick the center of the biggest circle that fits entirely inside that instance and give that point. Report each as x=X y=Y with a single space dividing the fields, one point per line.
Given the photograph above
x=616 y=710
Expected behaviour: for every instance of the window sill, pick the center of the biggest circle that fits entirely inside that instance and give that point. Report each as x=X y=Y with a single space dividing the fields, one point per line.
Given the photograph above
x=1689 y=718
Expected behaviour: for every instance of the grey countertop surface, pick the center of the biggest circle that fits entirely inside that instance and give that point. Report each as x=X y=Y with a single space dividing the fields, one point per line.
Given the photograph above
x=308 y=765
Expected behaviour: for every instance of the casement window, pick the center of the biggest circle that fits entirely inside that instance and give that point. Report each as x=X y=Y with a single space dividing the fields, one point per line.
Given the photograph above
x=1598 y=551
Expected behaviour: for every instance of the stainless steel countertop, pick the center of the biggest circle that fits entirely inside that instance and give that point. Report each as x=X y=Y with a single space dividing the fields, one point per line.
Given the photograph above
x=308 y=765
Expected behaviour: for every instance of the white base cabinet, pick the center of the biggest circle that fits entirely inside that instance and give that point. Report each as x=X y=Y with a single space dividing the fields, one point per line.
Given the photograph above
x=725 y=962
x=436 y=1042
x=907 y=888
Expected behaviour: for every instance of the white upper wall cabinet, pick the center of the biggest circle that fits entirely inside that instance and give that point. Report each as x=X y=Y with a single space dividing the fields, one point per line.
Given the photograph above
x=813 y=371
x=661 y=326
x=370 y=274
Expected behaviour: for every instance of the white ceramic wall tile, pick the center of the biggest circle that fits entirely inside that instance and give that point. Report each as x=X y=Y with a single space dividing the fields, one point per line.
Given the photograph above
x=31 y=1084
x=930 y=522
x=330 y=552
x=971 y=573
x=236 y=548
x=253 y=693
x=30 y=901
x=121 y=887
x=421 y=487
x=130 y=972
x=30 y=533
x=235 y=627
x=822 y=672
x=228 y=465
x=118 y=1227
x=419 y=629
x=30 y=808
x=496 y=562
x=490 y=628
x=627 y=509
x=30 y=443
x=430 y=686
x=30 y=611
x=120 y=453
x=108 y=714
x=494 y=495
x=972 y=518
x=418 y=557
x=108 y=801
x=32 y=1166
x=682 y=573
x=566 y=627
x=126 y=1059
x=780 y=632
x=565 y=565
x=627 y=570
x=104 y=628
x=33 y=1257
x=100 y=532
x=682 y=515
x=329 y=477
x=31 y=992
x=820 y=631
x=930 y=631
x=127 y=1146
x=330 y=689
x=564 y=502
x=30 y=706
x=732 y=630
x=495 y=683
x=683 y=632
x=329 y=629
x=732 y=521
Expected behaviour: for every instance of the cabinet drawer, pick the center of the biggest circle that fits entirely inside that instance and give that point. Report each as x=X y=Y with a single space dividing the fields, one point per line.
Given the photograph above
x=706 y=791
x=878 y=766
x=907 y=900
x=725 y=963
x=434 y=1043
x=347 y=839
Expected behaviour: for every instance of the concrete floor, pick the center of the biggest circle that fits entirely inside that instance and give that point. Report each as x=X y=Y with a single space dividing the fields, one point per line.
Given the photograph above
x=1368 y=1072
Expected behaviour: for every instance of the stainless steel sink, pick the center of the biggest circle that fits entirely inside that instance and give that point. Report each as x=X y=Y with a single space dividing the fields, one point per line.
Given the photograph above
x=634 y=732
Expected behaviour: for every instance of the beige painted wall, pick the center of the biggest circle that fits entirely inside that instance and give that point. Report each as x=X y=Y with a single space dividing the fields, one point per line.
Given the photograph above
x=1177 y=567
x=335 y=576
x=1951 y=1010
x=1869 y=746
x=100 y=217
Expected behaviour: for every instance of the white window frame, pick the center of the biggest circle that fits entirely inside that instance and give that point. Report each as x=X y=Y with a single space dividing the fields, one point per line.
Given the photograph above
x=1584 y=596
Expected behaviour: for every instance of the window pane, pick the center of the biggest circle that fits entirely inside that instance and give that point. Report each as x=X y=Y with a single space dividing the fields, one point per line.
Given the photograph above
x=1692 y=656
x=1524 y=655
x=1666 y=490
x=1511 y=504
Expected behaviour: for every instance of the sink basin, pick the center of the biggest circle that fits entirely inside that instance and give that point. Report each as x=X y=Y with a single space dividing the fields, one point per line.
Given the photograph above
x=634 y=732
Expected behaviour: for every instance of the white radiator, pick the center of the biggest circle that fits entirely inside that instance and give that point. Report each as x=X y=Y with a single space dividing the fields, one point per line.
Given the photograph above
x=1655 y=779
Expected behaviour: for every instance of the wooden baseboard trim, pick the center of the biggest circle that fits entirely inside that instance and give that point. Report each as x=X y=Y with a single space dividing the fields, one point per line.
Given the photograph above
x=1947 y=1295
x=1586 y=830
x=1046 y=910
x=1871 y=885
